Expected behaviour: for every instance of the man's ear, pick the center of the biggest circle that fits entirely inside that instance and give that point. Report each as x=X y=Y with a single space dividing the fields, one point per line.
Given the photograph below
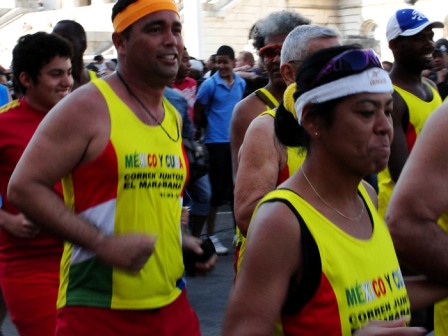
x=119 y=42
x=288 y=73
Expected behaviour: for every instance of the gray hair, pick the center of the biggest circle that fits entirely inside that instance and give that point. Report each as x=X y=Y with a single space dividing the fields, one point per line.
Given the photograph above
x=295 y=46
x=281 y=22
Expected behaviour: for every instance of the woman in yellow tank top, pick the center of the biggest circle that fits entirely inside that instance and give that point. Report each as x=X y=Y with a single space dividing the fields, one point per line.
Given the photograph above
x=319 y=260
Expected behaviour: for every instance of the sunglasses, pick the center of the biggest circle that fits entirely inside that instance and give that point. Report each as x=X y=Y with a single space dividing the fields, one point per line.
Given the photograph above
x=350 y=61
x=270 y=51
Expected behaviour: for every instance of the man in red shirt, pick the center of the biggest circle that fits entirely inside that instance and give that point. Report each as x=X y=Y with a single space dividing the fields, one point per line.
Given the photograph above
x=30 y=257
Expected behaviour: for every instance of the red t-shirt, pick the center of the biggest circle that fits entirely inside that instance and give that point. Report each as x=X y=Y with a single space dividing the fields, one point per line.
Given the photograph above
x=18 y=122
x=187 y=88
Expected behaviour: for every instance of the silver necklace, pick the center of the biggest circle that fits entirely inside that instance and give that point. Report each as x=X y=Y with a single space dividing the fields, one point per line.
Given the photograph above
x=147 y=111
x=353 y=219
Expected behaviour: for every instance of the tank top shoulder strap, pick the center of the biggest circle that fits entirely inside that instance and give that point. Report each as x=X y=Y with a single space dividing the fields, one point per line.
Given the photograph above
x=267 y=98
x=268 y=112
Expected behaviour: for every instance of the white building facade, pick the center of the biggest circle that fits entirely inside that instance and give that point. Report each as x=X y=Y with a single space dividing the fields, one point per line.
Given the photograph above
x=211 y=23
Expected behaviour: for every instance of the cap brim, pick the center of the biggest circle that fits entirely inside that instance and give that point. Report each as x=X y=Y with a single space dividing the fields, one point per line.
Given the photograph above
x=415 y=31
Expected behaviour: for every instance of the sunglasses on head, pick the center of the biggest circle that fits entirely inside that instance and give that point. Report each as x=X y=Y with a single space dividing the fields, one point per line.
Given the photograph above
x=350 y=61
x=270 y=51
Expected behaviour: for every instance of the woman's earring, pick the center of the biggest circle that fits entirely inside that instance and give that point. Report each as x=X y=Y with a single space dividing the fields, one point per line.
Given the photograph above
x=316 y=133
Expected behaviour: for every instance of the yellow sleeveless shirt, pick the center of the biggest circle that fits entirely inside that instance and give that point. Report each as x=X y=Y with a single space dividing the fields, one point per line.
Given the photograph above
x=360 y=279
x=134 y=186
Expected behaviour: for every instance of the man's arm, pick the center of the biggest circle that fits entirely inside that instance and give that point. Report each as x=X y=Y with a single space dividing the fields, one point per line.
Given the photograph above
x=420 y=198
x=202 y=100
x=243 y=114
x=423 y=292
x=399 y=149
x=258 y=169
x=198 y=118
x=74 y=132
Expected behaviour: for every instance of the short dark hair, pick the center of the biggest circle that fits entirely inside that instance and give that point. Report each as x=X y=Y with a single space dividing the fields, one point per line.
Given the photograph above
x=225 y=50
x=33 y=51
x=74 y=32
x=98 y=58
x=120 y=6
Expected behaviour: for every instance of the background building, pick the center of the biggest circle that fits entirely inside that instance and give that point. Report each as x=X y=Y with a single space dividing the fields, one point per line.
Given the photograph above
x=211 y=23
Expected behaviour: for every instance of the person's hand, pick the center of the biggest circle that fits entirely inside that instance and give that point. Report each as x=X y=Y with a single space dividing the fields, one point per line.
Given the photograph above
x=442 y=75
x=129 y=252
x=385 y=328
x=19 y=226
x=205 y=267
x=191 y=243
x=198 y=133
x=185 y=215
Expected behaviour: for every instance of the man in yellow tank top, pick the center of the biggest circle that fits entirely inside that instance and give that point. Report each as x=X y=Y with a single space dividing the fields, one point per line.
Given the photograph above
x=410 y=35
x=116 y=145
x=268 y=35
x=264 y=164
x=410 y=38
x=417 y=214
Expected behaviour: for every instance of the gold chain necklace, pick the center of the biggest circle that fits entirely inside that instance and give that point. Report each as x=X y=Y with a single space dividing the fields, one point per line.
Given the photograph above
x=147 y=111
x=353 y=219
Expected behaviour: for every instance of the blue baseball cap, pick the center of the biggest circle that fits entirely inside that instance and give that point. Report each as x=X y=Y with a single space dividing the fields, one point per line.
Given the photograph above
x=408 y=22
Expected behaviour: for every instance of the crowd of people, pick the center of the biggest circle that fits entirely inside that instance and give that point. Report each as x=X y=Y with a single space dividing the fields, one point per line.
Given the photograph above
x=331 y=160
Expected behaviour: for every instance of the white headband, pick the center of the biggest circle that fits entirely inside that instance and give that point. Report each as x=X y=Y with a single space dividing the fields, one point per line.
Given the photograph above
x=373 y=80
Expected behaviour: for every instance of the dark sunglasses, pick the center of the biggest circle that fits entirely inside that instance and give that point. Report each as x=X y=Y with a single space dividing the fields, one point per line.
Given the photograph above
x=270 y=51
x=350 y=61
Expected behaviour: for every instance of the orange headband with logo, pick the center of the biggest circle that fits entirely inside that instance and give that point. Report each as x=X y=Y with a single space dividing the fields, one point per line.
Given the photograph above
x=139 y=9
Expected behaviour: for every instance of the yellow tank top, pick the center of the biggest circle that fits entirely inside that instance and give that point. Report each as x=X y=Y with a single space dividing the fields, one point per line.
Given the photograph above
x=134 y=186
x=360 y=280
x=419 y=111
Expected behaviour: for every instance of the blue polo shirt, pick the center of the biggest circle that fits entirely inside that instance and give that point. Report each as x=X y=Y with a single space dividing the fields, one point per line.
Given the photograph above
x=4 y=95
x=219 y=99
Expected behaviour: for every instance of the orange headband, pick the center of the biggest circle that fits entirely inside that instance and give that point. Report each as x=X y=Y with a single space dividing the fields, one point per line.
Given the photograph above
x=139 y=9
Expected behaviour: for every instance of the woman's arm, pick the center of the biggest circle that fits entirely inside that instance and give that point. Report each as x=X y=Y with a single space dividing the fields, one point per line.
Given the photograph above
x=262 y=284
